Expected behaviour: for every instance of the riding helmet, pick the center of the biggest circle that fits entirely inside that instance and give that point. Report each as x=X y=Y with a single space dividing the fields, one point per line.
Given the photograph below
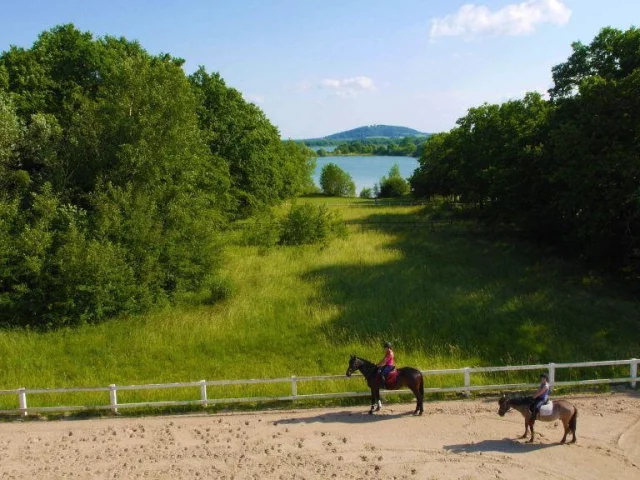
x=387 y=345
x=544 y=375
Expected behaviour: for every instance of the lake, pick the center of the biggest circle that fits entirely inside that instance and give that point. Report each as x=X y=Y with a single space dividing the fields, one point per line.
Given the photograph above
x=366 y=170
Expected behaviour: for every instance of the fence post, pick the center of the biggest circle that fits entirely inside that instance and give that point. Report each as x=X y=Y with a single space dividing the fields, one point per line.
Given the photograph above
x=203 y=392
x=634 y=372
x=294 y=386
x=467 y=381
x=22 y=400
x=113 y=398
x=552 y=373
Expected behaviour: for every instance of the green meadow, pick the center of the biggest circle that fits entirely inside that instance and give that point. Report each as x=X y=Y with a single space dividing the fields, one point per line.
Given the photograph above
x=447 y=296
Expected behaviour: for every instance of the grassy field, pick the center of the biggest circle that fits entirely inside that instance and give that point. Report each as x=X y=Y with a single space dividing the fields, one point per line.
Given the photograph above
x=447 y=297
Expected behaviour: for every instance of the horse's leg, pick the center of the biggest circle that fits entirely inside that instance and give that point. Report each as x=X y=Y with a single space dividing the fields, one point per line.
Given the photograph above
x=378 y=402
x=565 y=424
x=421 y=390
x=573 y=423
x=526 y=427
x=531 y=428
x=416 y=392
x=373 y=401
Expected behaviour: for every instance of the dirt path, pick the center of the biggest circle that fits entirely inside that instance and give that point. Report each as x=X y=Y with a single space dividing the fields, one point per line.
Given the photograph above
x=453 y=440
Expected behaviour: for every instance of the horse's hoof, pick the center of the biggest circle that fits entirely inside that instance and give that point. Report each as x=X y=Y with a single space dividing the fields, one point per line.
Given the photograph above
x=370 y=412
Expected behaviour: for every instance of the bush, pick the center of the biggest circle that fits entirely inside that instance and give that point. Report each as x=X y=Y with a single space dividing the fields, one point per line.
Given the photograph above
x=303 y=224
x=263 y=230
x=366 y=193
x=394 y=187
x=306 y=224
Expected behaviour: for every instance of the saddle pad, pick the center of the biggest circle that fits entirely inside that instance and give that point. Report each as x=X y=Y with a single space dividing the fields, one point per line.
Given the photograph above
x=391 y=378
x=547 y=409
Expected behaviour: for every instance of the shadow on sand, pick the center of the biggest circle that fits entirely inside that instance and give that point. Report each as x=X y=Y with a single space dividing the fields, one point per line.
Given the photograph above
x=506 y=445
x=345 y=417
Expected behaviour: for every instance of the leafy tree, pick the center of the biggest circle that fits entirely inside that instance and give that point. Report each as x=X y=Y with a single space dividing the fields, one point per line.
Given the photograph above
x=562 y=171
x=366 y=193
x=393 y=185
x=336 y=182
x=263 y=169
x=109 y=196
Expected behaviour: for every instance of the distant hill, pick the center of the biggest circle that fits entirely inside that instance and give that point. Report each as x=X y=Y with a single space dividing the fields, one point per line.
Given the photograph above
x=376 y=131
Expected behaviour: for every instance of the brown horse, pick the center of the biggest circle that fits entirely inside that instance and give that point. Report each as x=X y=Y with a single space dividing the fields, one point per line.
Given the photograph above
x=562 y=410
x=406 y=377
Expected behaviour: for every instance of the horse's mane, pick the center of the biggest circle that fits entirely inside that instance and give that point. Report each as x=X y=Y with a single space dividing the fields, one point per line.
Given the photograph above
x=364 y=360
x=520 y=400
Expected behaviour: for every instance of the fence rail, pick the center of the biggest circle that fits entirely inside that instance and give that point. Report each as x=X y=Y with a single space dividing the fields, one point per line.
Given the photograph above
x=204 y=400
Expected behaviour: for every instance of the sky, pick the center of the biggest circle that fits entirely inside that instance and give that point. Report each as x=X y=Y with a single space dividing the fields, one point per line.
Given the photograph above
x=317 y=67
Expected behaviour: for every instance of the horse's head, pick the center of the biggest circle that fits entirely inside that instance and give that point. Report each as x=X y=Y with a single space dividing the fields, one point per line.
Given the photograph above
x=354 y=364
x=505 y=405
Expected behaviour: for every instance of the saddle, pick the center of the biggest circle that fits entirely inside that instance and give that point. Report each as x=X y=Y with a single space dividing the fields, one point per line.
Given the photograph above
x=391 y=378
x=546 y=409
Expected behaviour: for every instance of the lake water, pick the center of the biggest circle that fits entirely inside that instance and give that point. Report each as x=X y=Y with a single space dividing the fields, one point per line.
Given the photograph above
x=366 y=171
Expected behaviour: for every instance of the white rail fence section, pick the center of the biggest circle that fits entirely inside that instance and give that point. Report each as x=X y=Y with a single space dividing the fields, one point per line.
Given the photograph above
x=466 y=388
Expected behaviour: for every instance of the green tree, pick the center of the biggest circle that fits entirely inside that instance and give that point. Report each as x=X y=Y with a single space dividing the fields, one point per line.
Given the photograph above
x=366 y=193
x=394 y=185
x=110 y=197
x=263 y=170
x=336 y=182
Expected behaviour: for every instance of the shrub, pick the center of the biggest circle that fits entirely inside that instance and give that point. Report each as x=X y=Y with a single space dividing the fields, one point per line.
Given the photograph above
x=306 y=224
x=263 y=230
x=394 y=187
x=366 y=193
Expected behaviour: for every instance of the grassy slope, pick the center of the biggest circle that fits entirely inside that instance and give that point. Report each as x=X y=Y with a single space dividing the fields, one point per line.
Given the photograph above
x=446 y=298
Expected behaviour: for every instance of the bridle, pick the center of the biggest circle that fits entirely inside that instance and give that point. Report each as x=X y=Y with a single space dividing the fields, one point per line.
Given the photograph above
x=354 y=365
x=505 y=406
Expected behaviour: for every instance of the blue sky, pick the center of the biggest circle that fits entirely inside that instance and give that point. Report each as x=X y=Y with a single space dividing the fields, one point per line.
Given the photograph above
x=319 y=67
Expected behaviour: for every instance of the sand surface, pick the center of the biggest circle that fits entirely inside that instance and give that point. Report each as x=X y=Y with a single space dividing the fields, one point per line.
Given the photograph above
x=464 y=439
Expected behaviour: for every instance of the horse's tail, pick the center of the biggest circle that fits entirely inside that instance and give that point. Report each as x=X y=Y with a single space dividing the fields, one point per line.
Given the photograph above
x=574 y=420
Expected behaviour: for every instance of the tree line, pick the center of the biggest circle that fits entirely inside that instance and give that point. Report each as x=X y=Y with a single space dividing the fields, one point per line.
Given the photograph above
x=399 y=147
x=563 y=170
x=335 y=182
x=117 y=174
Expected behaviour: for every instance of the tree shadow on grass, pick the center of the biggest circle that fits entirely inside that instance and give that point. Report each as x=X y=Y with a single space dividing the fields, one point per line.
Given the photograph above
x=458 y=291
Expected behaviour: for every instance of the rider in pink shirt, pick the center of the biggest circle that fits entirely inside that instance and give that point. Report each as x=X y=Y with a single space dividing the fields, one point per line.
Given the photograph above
x=387 y=363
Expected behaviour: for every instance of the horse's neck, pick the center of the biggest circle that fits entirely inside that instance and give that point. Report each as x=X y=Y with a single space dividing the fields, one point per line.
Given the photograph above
x=367 y=368
x=522 y=408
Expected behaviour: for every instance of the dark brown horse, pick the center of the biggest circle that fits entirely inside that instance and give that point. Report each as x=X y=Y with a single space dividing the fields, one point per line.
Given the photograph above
x=562 y=410
x=402 y=377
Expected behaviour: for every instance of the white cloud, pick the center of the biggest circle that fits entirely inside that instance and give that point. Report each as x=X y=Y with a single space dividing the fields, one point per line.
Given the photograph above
x=348 y=87
x=472 y=21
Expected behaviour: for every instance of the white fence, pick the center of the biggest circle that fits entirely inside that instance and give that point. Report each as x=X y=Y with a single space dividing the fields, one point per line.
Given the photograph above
x=467 y=387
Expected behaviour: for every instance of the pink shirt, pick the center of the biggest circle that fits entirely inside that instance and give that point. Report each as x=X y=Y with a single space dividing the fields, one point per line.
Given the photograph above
x=388 y=358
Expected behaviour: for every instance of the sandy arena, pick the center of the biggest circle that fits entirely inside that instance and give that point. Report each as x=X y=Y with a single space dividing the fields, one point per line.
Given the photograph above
x=463 y=439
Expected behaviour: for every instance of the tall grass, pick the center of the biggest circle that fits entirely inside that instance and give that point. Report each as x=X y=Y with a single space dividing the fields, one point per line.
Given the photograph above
x=446 y=298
